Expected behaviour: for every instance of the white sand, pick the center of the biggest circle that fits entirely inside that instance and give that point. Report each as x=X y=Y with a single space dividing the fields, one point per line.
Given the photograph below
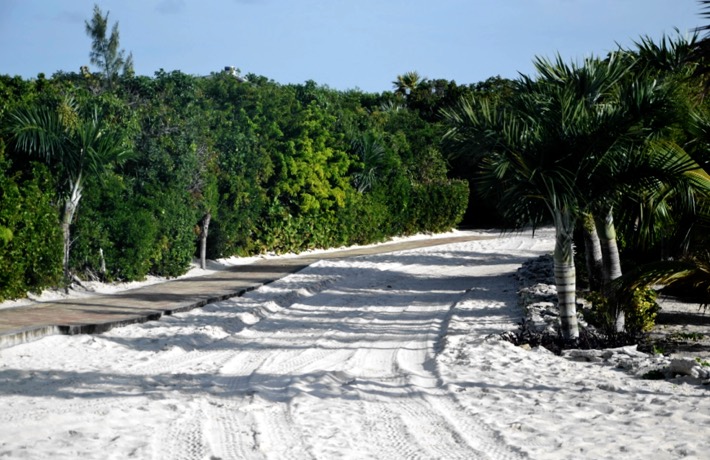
x=381 y=357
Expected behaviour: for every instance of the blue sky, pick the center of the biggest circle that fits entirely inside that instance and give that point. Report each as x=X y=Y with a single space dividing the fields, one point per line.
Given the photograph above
x=344 y=44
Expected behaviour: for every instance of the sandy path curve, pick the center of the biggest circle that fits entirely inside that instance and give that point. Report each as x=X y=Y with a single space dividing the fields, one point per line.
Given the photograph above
x=337 y=361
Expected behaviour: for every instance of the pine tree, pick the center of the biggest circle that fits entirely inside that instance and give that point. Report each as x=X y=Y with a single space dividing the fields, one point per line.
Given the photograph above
x=105 y=52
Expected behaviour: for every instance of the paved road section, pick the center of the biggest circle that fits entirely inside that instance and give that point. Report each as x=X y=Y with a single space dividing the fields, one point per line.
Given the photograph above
x=96 y=314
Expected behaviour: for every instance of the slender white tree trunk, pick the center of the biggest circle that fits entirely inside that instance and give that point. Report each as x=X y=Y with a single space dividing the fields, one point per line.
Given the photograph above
x=610 y=250
x=612 y=261
x=593 y=253
x=102 y=267
x=203 y=239
x=70 y=206
x=565 y=276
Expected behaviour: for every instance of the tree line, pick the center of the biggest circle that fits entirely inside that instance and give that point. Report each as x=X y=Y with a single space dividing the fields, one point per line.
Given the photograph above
x=115 y=176
x=118 y=178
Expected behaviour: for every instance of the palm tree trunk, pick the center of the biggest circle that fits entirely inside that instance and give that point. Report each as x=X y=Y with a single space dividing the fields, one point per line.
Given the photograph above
x=610 y=250
x=612 y=261
x=565 y=276
x=70 y=206
x=203 y=239
x=592 y=253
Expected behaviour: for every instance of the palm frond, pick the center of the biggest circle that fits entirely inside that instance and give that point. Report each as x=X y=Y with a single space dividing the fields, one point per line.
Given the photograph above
x=670 y=54
x=37 y=132
x=705 y=13
x=691 y=275
x=372 y=153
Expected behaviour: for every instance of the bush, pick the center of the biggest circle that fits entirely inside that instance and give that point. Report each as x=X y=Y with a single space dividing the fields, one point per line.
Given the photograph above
x=134 y=232
x=31 y=245
x=439 y=206
x=118 y=225
x=639 y=307
x=176 y=237
x=138 y=235
x=641 y=311
x=396 y=209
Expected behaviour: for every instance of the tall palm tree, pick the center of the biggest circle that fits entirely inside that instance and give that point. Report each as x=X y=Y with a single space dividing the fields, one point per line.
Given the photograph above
x=662 y=181
x=79 y=146
x=558 y=147
x=527 y=164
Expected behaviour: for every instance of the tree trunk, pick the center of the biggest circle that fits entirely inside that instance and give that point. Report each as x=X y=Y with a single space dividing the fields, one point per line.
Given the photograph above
x=203 y=239
x=102 y=267
x=565 y=276
x=70 y=206
x=612 y=261
x=593 y=253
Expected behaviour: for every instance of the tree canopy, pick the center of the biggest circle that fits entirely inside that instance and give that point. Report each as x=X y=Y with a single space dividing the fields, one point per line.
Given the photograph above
x=106 y=53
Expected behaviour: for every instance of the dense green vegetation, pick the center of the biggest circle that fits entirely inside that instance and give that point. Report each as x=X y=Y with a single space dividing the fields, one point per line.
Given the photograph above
x=610 y=152
x=114 y=176
x=146 y=169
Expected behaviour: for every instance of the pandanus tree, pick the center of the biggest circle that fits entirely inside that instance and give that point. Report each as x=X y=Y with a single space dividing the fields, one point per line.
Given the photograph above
x=78 y=145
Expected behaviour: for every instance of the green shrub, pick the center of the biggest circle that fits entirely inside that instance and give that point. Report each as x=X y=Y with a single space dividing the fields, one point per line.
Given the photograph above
x=118 y=225
x=134 y=233
x=601 y=314
x=138 y=235
x=641 y=310
x=639 y=307
x=439 y=206
x=176 y=237
x=31 y=248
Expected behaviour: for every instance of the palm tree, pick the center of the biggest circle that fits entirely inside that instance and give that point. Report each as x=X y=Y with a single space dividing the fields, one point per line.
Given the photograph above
x=407 y=83
x=561 y=149
x=372 y=153
x=592 y=251
x=79 y=146
x=626 y=122
x=531 y=168
x=636 y=109
x=656 y=179
x=655 y=182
